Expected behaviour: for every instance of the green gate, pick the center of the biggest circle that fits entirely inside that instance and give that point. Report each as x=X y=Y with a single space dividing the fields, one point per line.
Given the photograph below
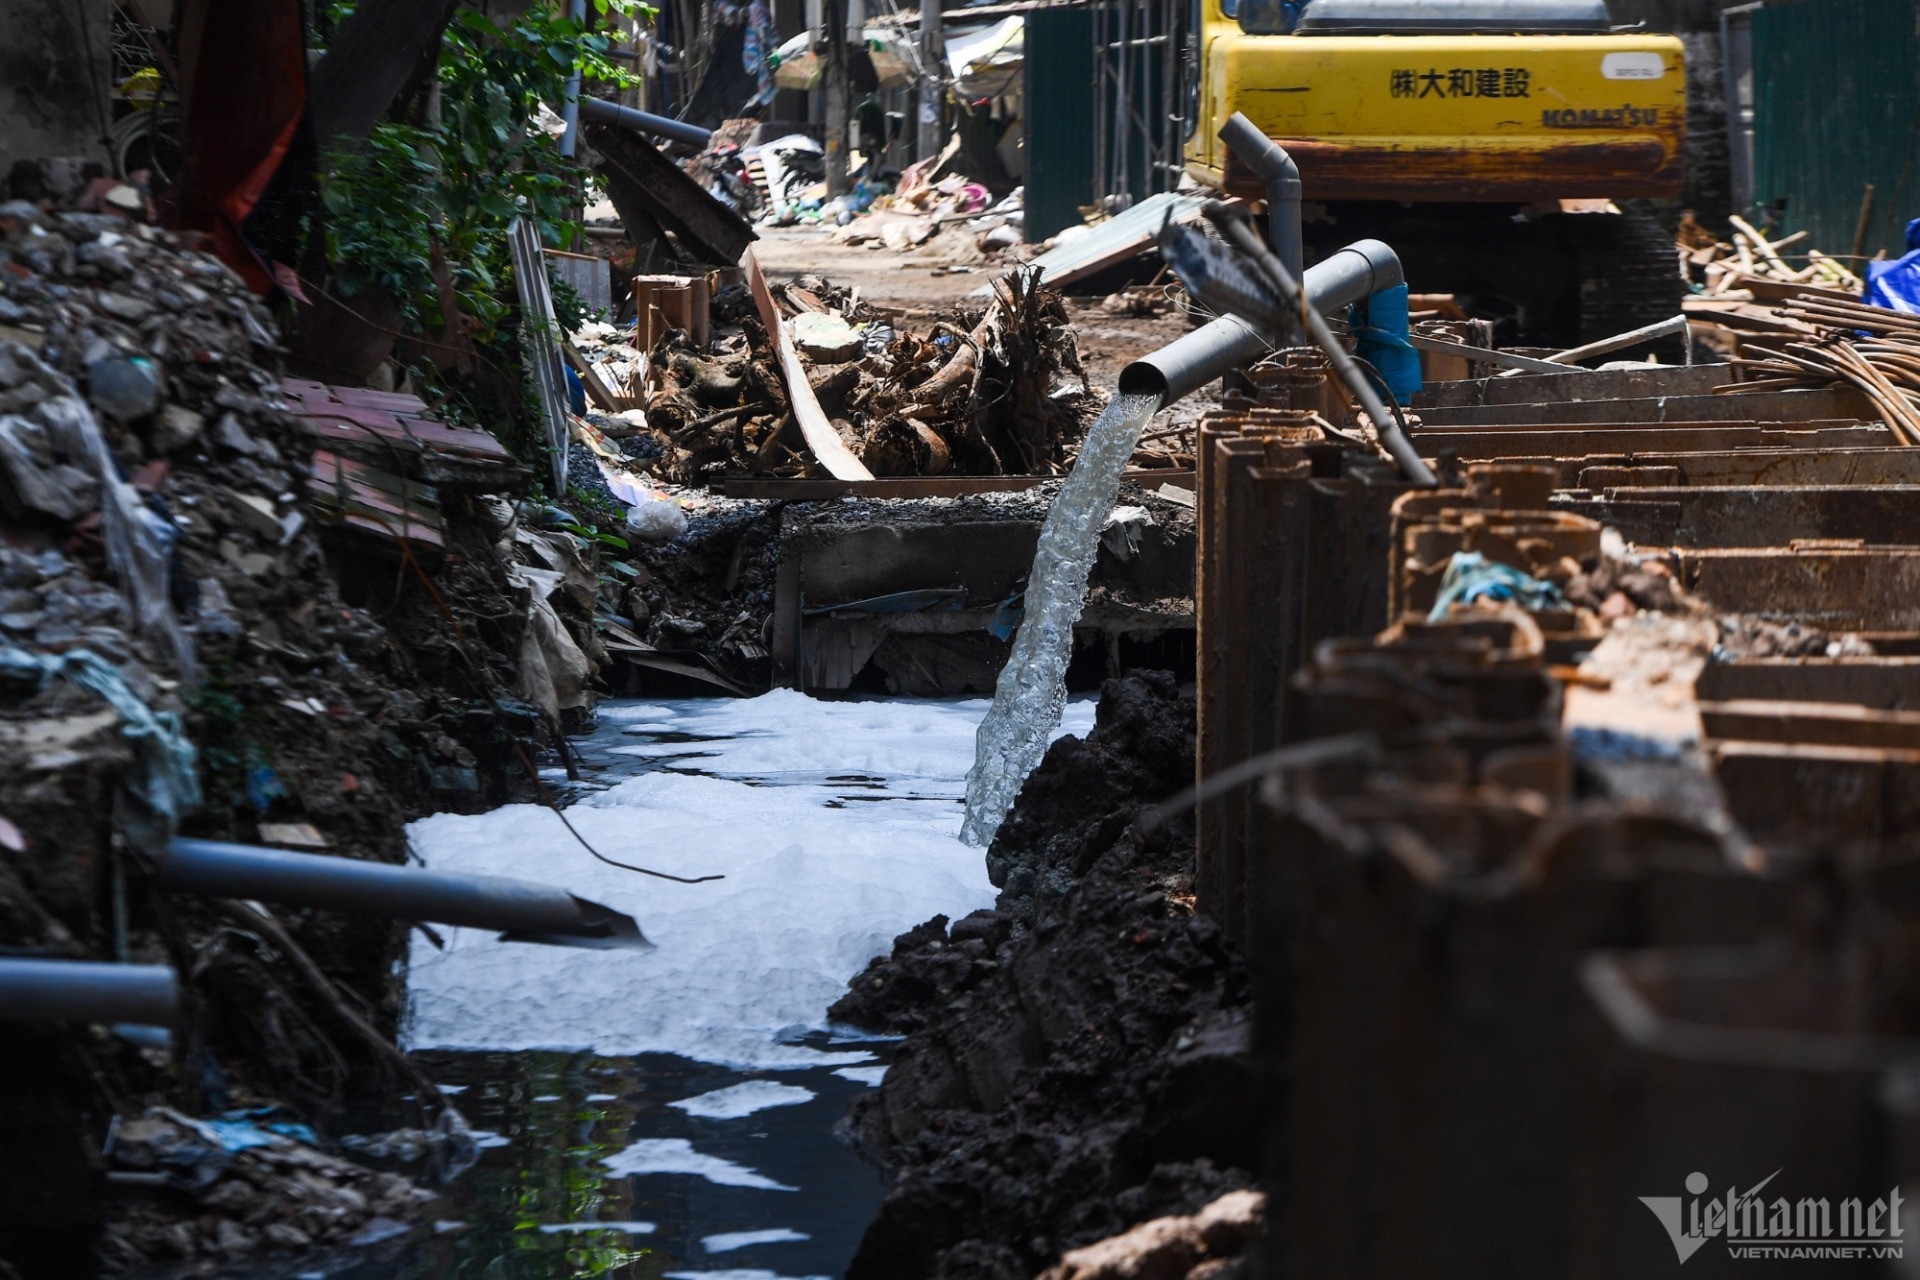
x=1836 y=89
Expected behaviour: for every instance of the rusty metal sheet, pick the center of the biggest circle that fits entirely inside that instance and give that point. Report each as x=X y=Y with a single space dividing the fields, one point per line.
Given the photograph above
x=1884 y=684
x=1818 y=795
x=1424 y=170
x=1826 y=466
x=1548 y=440
x=1852 y=589
x=1762 y=406
x=1608 y=384
x=1759 y=516
x=1831 y=724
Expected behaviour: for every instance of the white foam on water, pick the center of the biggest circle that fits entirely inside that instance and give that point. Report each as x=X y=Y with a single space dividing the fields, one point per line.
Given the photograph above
x=728 y=1241
x=744 y=1099
x=869 y=1076
x=676 y=1155
x=815 y=885
x=625 y=1228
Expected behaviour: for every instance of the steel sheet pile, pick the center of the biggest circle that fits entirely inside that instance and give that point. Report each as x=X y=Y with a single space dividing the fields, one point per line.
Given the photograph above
x=1575 y=854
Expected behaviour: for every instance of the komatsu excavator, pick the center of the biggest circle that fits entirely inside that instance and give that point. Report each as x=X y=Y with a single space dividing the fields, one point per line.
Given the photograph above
x=1485 y=140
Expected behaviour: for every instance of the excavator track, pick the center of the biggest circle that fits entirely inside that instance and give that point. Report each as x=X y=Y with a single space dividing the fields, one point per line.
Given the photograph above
x=1549 y=280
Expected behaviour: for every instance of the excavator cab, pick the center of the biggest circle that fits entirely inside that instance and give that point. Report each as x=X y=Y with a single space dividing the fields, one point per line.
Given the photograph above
x=1465 y=133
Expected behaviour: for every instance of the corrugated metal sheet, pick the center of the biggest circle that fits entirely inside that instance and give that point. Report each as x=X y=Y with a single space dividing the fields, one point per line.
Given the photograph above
x=1118 y=238
x=1837 y=106
x=1059 y=119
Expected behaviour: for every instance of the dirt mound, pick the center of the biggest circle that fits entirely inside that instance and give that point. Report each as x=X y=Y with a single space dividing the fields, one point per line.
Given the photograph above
x=1075 y=1060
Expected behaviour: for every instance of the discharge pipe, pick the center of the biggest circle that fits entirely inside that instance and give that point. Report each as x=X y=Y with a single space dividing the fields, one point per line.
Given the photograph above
x=1191 y=361
x=87 y=991
x=521 y=910
x=644 y=122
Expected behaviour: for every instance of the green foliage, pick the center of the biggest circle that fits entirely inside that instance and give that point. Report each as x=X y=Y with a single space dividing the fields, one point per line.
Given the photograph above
x=586 y=534
x=458 y=184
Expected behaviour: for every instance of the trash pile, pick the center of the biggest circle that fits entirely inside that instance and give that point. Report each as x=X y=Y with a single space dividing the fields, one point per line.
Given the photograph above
x=715 y=410
x=1722 y=268
x=997 y=392
x=238 y=609
x=235 y=1188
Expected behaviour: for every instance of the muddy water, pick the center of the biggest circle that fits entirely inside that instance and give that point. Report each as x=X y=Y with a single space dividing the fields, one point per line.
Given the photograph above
x=835 y=825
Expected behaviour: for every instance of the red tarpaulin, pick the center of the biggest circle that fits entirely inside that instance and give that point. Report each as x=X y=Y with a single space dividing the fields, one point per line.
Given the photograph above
x=243 y=89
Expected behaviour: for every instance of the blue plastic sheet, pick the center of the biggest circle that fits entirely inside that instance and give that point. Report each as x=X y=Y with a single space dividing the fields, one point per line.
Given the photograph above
x=162 y=784
x=1471 y=576
x=1896 y=285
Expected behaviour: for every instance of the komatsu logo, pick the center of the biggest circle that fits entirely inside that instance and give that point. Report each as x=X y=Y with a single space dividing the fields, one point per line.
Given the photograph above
x=1753 y=1227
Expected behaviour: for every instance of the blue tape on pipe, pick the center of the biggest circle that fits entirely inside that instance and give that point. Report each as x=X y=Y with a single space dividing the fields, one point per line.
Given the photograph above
x=1381 y=324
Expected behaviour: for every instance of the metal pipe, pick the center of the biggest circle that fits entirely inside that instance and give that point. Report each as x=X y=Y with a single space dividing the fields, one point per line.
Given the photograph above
x=1193 y=360
x=1676 y=327
x=570 y=105
x=521 y=910
x=87 y=991
x=1300 y=304
x=645 y=122
x=1276 y=170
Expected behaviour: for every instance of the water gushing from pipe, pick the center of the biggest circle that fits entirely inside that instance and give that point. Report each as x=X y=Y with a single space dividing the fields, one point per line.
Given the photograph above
x=1032 y=688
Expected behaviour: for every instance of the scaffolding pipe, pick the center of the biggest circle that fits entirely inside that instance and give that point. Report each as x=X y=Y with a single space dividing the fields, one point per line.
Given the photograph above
x=88 y=991
x=644 y=122
x=521 y=910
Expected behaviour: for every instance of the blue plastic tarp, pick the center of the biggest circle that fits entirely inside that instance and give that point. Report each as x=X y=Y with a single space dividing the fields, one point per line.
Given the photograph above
x=1896 y=285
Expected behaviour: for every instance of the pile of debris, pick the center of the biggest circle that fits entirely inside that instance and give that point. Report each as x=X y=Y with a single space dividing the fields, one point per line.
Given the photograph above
x=236 y=609
x=997 y=392
x=718 y=407
x=231 y=1188
x=1724 y=269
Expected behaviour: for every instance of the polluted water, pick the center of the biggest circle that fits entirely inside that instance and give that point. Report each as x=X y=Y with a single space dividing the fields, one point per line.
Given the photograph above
x=671 y=1113
x=1032 y=689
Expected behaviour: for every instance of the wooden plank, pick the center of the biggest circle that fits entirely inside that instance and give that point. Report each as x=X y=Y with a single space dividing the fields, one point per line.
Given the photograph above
x=1486 y=355
x=820 y=434
x=638 y=174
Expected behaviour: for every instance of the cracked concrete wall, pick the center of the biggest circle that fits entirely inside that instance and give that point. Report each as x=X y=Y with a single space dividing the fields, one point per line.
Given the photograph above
x=52 y=95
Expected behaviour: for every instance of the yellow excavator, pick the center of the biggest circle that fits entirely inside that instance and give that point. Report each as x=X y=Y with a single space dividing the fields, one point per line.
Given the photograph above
x=1485 y=140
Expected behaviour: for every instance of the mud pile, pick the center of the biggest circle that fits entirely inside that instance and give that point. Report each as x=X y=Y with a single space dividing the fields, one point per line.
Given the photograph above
x=1075 y=1060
